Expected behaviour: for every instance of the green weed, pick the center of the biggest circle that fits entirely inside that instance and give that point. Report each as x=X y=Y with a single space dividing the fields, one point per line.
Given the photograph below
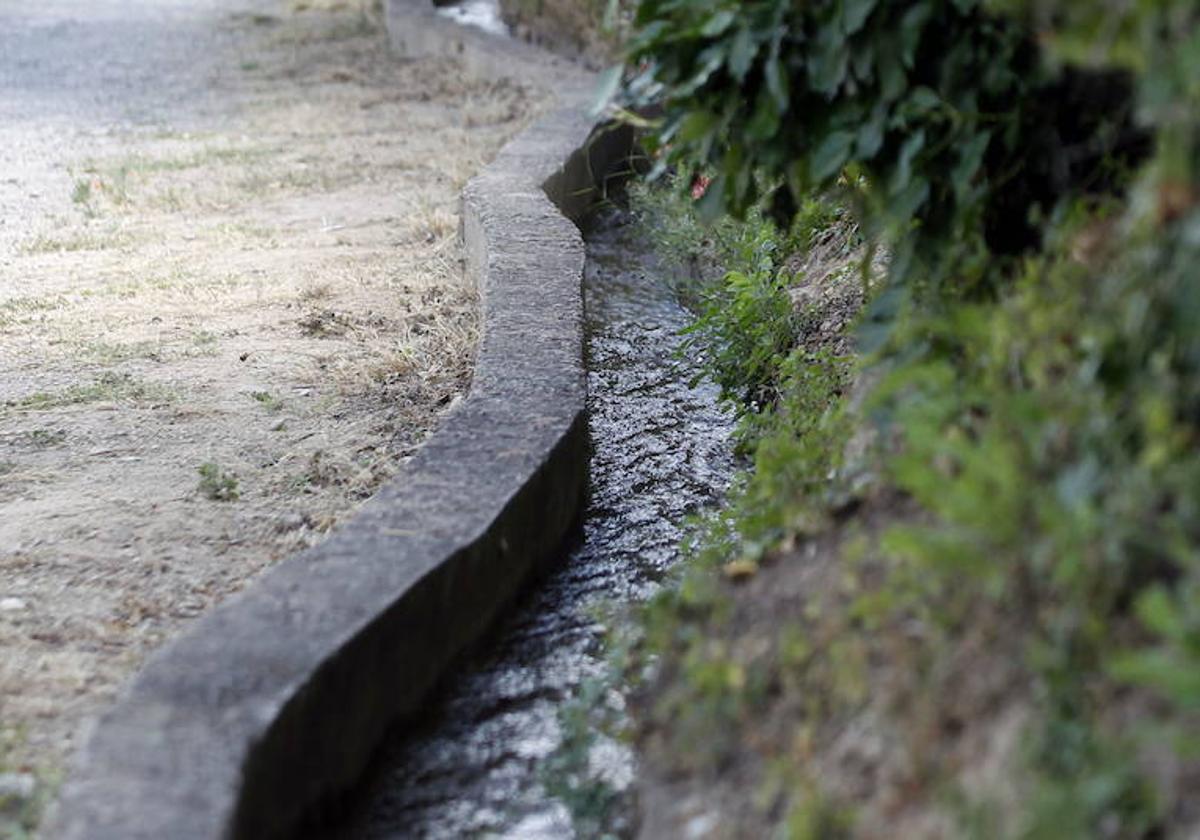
x=110 y=387
x=112 y=353
x=16 y=310
x=80 y=240
x=267 y=400
x=569 y=775
x=44 y=438
x=217 y=484
x=81 y=195
x=19 y=816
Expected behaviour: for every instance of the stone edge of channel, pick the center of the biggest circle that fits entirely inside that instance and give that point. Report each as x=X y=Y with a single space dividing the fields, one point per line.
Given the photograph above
x=273 y=703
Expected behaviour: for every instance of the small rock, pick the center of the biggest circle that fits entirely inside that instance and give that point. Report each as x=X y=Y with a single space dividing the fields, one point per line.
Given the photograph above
x=702 y=825
x=12 y=605
x=289 y=522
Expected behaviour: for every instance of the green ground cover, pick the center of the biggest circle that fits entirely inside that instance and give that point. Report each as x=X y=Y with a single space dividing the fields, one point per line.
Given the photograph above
x=956 y=591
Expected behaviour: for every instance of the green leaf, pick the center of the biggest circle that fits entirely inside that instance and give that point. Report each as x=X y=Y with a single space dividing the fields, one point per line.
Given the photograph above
x=798 y=180
x=970 y=157
x=764 y=123
x=830 y=154
x=606 y=88
x=828 y=61
x=741 y=53
x=696 y=126
x=902 y=174
x=870 y=133
x=924 y=99
x=710 y=60
x=855 y=14
x=862 y=62
x=912 y=26
x=647 y=35
x=904 y=205
x=892 y=76
x=740 y=177
x=1155 y=609
x=718 y=23
x=777 y=82
x=1158 y=669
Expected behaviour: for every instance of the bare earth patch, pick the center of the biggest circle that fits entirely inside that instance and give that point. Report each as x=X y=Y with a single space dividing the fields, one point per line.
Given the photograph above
x=225 y=337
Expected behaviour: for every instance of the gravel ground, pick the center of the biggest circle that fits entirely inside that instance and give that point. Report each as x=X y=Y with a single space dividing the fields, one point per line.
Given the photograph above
x=231 y=302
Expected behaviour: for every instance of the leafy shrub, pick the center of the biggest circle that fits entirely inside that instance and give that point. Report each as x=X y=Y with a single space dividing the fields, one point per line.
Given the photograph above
x=942 y=106
x=1040 y=401
x=747 y=329
x=736 y=277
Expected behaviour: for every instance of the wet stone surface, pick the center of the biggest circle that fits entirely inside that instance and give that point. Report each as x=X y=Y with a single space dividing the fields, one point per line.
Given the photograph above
x=661 y=452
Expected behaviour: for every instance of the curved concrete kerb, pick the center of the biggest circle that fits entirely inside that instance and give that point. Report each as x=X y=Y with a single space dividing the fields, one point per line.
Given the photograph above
x=275 y=700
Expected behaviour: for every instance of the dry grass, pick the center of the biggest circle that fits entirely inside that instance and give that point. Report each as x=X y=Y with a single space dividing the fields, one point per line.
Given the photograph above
x=278 y=293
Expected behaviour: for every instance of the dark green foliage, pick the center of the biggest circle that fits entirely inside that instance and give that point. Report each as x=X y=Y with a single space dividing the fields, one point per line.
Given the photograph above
x=1038 y=403
x=941 y=108
x=913 y=92
x=1052 y=436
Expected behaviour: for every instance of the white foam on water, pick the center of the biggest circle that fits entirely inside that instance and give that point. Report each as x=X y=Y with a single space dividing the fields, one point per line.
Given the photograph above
x=482 y=14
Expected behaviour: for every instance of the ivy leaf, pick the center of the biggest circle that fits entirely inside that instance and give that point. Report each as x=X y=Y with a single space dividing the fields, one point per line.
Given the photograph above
x=905 y=204
x=870 y=134
x=765 y=122
x=924 y=99
x=862 y=62
x=855 y=14
x=741 y=53
x=710 y=60
x=892 y=77
x=827 y=64
x=718 y=23
x=912 y=25
x=647 y=35
x=902 y=174
x=777 y=82
x=830 y=154
x=797 y=178
x=606 y=88
x=970 y=157
x=696 y=126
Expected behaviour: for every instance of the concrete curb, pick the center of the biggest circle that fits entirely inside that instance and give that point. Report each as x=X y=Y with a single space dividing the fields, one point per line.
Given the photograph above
x=273 y=703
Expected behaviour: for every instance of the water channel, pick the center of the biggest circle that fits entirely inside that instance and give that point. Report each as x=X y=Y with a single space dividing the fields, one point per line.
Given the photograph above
x=661 y=452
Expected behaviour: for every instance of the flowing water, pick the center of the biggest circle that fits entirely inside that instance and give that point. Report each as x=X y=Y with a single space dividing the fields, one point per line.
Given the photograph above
x=661 y=451
x=482 y=14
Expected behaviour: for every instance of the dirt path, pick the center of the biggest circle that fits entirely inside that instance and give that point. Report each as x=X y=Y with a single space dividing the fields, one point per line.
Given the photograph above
x=230 y=303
